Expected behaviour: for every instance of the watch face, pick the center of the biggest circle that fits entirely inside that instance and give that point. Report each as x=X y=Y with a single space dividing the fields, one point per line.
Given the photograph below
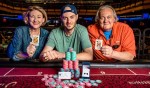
x=115 y=46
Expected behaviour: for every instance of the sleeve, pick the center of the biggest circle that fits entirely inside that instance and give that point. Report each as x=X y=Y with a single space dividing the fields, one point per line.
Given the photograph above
x=15 y=45
x=129 y=41
x=51 y=40
x=85 y=41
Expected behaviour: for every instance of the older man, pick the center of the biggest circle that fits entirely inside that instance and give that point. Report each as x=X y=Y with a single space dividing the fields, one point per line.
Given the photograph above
x=111 y=40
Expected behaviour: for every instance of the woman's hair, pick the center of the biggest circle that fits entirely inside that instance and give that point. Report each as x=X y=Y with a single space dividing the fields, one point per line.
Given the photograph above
x=104 y=7
x=31 y=8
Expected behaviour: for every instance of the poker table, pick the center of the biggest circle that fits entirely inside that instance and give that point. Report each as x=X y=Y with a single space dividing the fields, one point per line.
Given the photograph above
x=131 y=74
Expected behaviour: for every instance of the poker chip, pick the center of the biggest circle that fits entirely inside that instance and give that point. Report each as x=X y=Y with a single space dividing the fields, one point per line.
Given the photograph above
x=70 y=84
x=92 y=81
x=58 y=86
x=68 y=56
x=46 y=76
x=72 y=73
x=82 y=83
x=76 y=83
x=62 y=70
x=58 y=81
x=76 y=64
x=65 y=86
x=43 y=79
x=70 y=64
x=77 y=73
x=81 y=79
x=65 y=64
x=88 y=84
x=70 y=49
x=51 y=79
x=94 y=84
x=76 y=86
x=66 y=81
x=86 y=80
x=98 y=81
x=50 y=76
x=72 y=81
x=80 y=86
x=55 y=76
x=46 y=82
x=73 y=55
x=102 y=72
x=39 y=73
x=62 y=84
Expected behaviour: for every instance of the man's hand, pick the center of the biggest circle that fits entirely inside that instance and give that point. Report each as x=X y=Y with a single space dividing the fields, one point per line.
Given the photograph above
x=52 y=55
x=107 y=51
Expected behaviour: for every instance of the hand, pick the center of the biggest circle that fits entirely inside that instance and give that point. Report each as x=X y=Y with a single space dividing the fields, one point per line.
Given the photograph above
x=31 y=50
x=52 y=55
x=107 y=51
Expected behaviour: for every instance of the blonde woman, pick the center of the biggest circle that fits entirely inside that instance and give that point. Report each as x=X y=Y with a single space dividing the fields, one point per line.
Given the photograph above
x=28 y=41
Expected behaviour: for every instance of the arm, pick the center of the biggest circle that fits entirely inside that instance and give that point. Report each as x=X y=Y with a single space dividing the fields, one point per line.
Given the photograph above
x=127 y=45
x=49 y=54
x=87 y=54
x=14 y=49
x=43 y=55
x=122 y=56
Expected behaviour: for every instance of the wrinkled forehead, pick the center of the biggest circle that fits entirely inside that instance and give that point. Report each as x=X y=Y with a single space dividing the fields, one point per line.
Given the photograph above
x=106 y=11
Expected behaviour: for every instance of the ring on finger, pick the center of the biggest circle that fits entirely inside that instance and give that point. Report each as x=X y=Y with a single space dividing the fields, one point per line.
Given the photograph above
x=46 y=58
x=31 y=52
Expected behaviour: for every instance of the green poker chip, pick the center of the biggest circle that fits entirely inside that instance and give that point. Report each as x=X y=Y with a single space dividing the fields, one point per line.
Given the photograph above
x=55 y=76
x=73 y=55
x=59 y=86
x=94 y=84
x=92 y=81
x=72 y=81
x=68 y=55
x=98 y=81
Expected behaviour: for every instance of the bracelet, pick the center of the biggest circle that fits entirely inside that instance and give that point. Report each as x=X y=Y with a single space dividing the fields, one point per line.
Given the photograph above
x=16 y=58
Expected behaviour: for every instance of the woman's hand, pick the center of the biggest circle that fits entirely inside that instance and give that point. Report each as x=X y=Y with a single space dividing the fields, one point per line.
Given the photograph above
x=31 y=49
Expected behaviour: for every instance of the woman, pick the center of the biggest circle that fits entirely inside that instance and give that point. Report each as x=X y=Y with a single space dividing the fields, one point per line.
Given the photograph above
x=28 y=41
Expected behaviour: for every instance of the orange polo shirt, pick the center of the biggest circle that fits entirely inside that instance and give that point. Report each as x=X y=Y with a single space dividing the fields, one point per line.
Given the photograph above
x=122 y=39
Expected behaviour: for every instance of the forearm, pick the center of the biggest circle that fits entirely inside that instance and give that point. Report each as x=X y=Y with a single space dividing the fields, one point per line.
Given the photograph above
x=122 y=56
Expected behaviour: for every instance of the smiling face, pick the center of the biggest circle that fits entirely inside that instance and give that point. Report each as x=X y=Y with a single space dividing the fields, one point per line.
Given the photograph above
x=69 y=20
x=36 y=19
x=106 y=19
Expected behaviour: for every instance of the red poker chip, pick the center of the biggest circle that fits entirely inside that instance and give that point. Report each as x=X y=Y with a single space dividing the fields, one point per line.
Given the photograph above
x=88 y=84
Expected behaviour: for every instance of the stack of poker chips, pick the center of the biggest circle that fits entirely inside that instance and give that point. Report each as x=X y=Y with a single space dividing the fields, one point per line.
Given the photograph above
x=71 y=64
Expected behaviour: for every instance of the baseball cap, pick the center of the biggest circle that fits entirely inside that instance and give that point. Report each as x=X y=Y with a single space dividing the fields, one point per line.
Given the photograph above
x=68 y=8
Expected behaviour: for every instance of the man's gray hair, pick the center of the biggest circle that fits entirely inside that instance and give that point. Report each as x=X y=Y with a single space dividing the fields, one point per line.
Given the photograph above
x=104 y=7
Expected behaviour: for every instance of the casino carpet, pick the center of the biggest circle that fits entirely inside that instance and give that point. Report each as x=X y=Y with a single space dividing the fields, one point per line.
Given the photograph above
x=110 y=77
